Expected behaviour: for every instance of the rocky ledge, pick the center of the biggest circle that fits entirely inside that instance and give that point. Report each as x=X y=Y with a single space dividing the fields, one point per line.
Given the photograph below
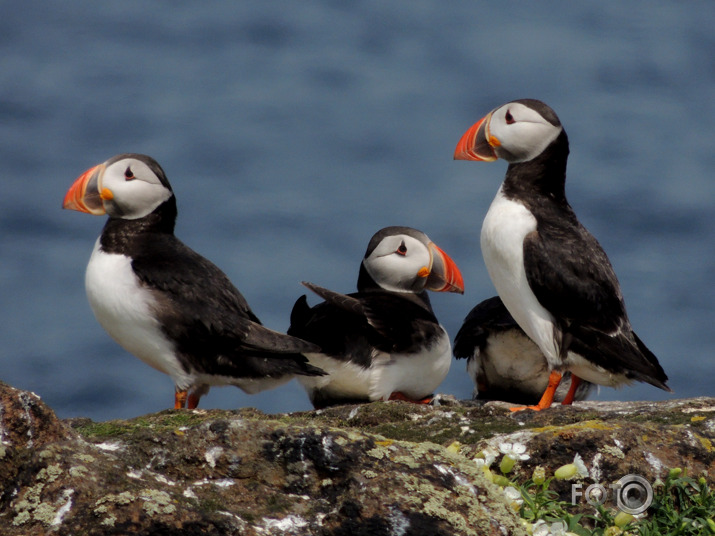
x=376 y=469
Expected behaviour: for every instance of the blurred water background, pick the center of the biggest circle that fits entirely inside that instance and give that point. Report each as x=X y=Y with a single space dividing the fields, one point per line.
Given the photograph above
x=292 y=131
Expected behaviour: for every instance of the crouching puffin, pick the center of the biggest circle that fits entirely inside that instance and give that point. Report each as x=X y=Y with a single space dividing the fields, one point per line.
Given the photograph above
x=164 y=303
x=384 y=341
x=550 y=272
x=503 y=362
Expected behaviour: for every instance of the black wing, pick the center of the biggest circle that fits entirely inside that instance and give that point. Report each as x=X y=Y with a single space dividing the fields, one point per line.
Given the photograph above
x=209 y=318
x=345 y=302
x=486 y=318
x=351 y=327
x=623 y=353
x=571 y=276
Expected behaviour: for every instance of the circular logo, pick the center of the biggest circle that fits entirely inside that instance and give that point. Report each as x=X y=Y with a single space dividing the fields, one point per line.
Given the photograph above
x=634 y=494
x=595 y=494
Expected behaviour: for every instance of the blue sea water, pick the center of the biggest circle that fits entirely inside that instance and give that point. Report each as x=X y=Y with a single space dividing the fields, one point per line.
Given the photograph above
x=292 y=131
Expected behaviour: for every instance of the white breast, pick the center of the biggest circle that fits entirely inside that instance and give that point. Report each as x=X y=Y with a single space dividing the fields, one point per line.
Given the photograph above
x=125 y=310
x=502 y=240
x=512 y=358
x=414 y=375
x=343 y=379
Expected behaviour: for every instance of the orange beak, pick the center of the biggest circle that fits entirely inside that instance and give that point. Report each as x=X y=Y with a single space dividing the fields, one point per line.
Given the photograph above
x=444 y=276
x=476 y=144
x=84 y=194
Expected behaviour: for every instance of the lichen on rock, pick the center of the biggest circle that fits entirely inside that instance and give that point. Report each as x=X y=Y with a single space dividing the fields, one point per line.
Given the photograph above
x=377 y=469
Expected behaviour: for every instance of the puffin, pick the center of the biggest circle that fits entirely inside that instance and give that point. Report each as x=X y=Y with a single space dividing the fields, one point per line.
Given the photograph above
x=382 y=342
x=163 y=302
x=551 y=273
x=503 y=362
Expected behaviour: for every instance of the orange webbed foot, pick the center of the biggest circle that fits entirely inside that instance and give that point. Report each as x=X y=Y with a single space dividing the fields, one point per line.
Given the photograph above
x=401 y=396
x=548 y=397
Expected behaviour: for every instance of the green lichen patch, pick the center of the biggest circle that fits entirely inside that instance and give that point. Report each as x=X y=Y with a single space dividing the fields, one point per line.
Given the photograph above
x=102 y=430
x=49 y=473
x=613 y=450
x=169 y=420
x=589 y=424
x=415 y=422
x=661 y=419
x=122 y=498
x=156 y=502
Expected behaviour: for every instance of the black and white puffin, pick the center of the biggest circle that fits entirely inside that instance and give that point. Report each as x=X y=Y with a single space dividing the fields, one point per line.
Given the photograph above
x=550 y=272
x=163 y=302
x=503 y=362
x=383 y=341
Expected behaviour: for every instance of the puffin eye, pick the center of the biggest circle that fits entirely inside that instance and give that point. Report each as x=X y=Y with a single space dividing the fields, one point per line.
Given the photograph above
x=402 y=250
x=129 y=174
x=509 y=118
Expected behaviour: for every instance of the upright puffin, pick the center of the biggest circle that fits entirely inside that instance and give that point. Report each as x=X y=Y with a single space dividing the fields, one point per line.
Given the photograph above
x=163 y=302
x=550 y=272
x=383 y=341
x=503 y=362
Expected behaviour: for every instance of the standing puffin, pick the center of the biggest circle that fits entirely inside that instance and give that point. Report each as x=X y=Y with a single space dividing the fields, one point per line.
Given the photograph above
x=503 y=362
x=384 y=341
x=164 y=303
x=550 y=272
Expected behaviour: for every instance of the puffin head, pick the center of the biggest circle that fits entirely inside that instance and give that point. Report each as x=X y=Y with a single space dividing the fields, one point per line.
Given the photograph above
x=517 y=131
x=127 y=186
x=402 y=259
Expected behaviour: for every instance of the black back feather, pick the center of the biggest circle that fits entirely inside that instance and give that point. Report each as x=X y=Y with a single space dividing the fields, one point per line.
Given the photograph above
x=214 y=329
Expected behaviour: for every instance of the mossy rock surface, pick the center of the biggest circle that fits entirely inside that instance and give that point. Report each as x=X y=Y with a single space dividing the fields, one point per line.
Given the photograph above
x=377 y=469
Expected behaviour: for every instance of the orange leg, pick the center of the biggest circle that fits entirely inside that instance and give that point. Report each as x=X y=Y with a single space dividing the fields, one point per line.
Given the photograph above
x=400 y=396
x=179 y=399
x=193 y=401
x=548 y=397
x=568 y=399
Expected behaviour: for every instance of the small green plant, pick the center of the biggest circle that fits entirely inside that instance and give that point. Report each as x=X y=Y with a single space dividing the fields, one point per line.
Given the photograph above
x=681 y=505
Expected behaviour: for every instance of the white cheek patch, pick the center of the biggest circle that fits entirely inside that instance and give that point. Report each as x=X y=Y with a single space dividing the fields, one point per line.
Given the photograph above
x=526 y=141
x=525 y=138
x=137 y=198
x=394 y=272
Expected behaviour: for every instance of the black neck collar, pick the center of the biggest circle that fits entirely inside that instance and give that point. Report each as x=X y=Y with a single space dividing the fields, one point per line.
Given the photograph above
x=118 y=232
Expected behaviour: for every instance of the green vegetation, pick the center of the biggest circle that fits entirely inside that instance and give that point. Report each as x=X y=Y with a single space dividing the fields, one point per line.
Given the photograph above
x=681 y=505
x=163 y=421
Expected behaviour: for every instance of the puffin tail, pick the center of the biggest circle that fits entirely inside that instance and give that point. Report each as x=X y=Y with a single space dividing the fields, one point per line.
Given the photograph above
x=657 y=377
